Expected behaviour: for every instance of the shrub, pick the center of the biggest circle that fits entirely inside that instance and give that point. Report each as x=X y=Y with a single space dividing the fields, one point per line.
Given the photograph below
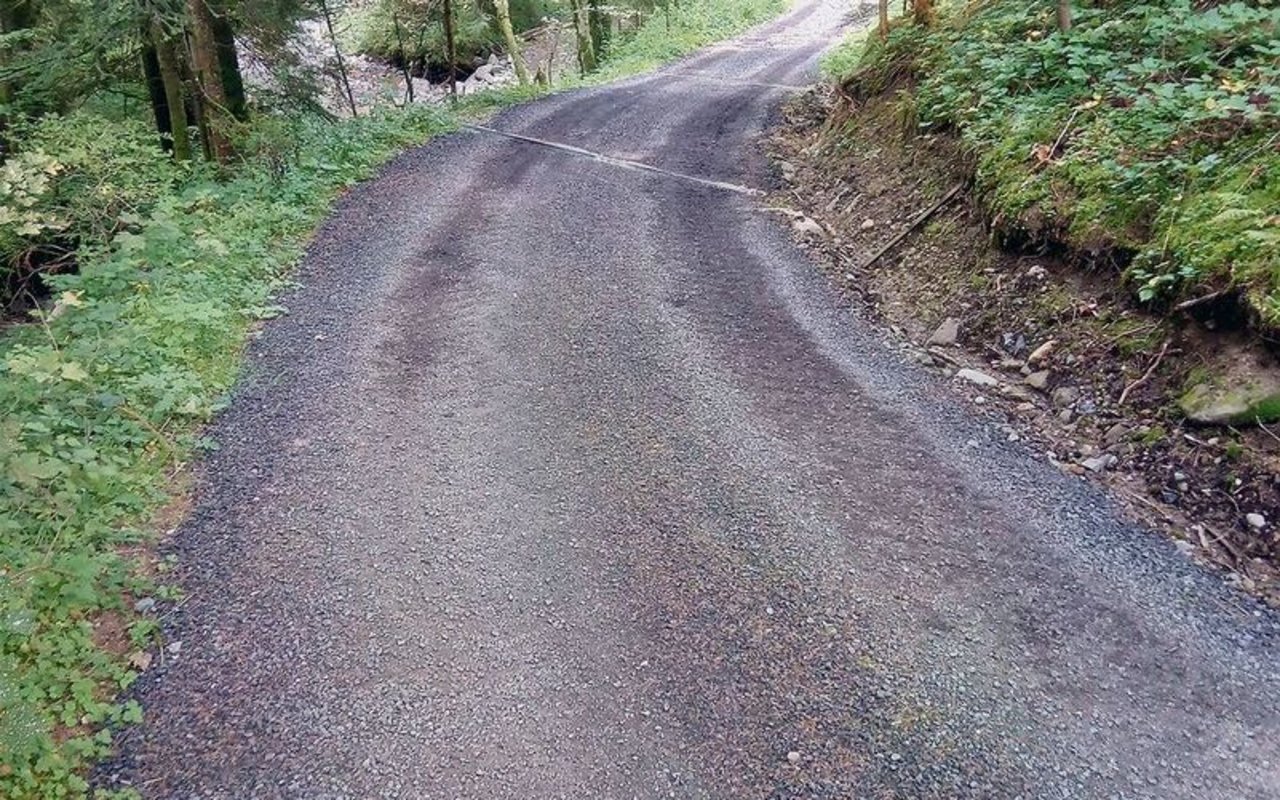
x=1148 y=133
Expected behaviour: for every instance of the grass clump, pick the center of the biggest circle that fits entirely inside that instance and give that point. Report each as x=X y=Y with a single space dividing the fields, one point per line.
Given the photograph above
x=103 y=398
x=679 y=29
x=1148 y=136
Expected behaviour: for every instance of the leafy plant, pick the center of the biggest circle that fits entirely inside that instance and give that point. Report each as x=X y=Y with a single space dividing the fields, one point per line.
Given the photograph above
x=1148 y=133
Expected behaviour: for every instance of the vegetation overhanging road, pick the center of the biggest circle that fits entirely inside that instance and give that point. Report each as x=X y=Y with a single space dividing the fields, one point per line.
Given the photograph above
x=563 y=479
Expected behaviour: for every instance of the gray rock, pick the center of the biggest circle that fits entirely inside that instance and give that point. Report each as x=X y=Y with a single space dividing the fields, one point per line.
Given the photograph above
x=1042 y=352
x=1065 y=416
x=1038 y=380
x=868 y=224
x=976 y=377
x=1116 y=433
x=145 y=606
x=1099 y=463
x=1065 y=395
x=808 y=227
x=793 y=757
x=1255 y=520
x=947 y=334
x=1219 y=404
x=1013 y=343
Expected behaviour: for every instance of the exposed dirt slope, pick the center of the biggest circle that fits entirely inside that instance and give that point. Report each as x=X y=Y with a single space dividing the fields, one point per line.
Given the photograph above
x=865 y=176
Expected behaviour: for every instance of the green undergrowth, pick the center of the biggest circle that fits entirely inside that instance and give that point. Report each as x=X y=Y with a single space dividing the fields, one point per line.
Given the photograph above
x=104 y=397
x=683 y=28
x=1146 y=138
x=104 y=393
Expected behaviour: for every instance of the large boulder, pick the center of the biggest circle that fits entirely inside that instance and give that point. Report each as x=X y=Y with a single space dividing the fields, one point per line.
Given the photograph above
x=1228 y=403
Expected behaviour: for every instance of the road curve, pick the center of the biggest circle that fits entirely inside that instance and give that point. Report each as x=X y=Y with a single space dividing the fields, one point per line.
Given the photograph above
x=568 y=480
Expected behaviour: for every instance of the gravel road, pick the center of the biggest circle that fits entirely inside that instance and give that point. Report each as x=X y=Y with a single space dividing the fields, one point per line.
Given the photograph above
x=567 y=480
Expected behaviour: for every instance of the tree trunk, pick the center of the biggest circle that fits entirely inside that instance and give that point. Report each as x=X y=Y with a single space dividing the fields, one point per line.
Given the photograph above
x=224 y=38
x=600 y=30
x=923 y=12
x=451 y=52
x=582 y=32
x=509 y=34
x=404 y=62
x=216 y=118
x=1064 y=15
x=342 y=64
x=155 y=91
x=170 y=75
x=884 y=19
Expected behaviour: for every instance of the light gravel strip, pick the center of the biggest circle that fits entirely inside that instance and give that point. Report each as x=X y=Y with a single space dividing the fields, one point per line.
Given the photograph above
x=624 y=163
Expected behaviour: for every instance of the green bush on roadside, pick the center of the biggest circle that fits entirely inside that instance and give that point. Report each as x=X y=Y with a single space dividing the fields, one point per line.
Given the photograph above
x=103 y=398
x=1165 y=116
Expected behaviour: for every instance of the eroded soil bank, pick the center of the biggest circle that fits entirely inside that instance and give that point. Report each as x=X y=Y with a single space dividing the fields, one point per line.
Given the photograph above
x=1046 y=341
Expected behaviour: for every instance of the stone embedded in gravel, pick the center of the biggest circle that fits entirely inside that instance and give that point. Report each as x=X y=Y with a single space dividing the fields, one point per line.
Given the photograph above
x=1042 y=352
x=1099 y=463
x=807 y=226
x=145 y=606
x=1116 y=433
x=948 y=333
x=1038 y=380
x=974 y=376
x=1065 y=395
x=1255 y=520
x=868 y=224
x=793 y=757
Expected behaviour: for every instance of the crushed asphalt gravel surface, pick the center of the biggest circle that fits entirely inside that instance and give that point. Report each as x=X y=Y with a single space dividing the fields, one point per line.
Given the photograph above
x=566 y=480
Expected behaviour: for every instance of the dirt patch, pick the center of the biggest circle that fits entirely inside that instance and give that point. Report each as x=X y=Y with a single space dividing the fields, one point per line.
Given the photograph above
x=1046 y=341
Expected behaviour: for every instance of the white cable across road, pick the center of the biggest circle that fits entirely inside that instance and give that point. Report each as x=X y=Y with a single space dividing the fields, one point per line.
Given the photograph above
x=624 y=163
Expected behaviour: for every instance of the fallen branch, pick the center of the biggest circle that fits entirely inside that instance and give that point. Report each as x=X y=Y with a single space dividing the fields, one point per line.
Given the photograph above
x=1131 y=332
x=1146 y=375
x=1057 y=145
x=915 y=223
x=1268 y=431
x=1219 y=539
x=1195 y=301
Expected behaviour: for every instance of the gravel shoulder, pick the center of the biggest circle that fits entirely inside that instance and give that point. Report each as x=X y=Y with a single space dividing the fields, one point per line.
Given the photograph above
x=565 y=480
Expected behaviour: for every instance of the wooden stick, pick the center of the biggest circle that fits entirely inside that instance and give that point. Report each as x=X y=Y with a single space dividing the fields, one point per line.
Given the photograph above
x=1053 y=152
x=1195 y=301
x=1159 y=357
x=915 y=223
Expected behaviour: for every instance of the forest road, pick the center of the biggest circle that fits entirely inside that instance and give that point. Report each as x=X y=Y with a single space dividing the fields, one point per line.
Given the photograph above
x=567 y=480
